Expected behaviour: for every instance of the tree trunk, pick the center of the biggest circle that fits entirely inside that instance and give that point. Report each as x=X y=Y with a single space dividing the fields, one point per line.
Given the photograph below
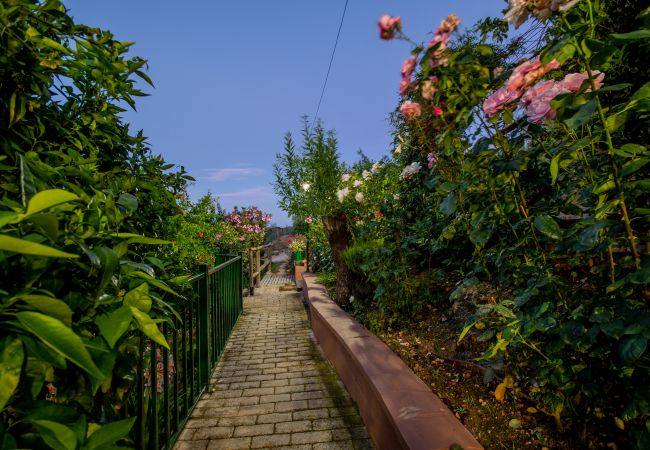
x=338 y=235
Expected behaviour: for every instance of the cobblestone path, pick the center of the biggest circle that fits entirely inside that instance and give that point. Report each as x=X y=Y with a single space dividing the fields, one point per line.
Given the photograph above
x=272 y=389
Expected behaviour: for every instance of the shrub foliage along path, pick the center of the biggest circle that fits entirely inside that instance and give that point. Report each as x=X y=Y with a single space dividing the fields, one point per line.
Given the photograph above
x=517 y=163
x=95 y=230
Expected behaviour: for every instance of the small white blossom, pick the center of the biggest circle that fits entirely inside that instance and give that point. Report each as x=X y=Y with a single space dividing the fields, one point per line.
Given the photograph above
x=376 y=166
x=359 y=223
x=357 y=183
x=365 y=174
x=306 y=186
x=342 y=194
x=410 y=170
x=396 y=197
x=351 y=298
x=359 y=197
x=345 y=177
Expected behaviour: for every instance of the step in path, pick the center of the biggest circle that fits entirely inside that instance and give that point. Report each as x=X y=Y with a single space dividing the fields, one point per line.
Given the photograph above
x=271 y=279
x=272 y=389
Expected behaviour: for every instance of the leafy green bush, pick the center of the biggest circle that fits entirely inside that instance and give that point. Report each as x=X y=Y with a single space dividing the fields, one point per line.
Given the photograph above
x=85 y=255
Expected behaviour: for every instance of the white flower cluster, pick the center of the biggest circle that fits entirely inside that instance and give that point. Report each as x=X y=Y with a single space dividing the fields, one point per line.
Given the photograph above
x=410 y=170
x=342 y=194
x=519 y=10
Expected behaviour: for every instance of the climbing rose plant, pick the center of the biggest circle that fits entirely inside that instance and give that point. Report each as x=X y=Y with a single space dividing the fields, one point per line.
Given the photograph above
x=530 y=175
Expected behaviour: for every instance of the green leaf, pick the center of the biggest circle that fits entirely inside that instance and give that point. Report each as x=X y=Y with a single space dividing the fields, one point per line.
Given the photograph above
x=156 y=283
x=38 y=350
x=53 y=44
x=7 y=217
x=49 y=306
x=555 y=167
x=606 y=186
x=562 y=51
x=582 y=116
x=47 y=199
x=548 y=227
x=109 y=434
x=114 y=324
x=139 y=298
x=614 y=87
x=182 y=279
x=632 y=35
x=109 y=262
x=632 y=348
x=149 y=327
x=632 y=166
x=55 y=335
x=12 y=244
x=147 y=240
x=56 y=435
x=11 y=361
x=448 y=205
x=128 y=202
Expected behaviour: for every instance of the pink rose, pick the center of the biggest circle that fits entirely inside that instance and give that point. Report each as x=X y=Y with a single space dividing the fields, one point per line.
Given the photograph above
x=495 y=102
x=408 y=66
x=437 y=111
x=410 y=109
x=540 y=106
x=404 y=86
x=388 y=25
x=573 y=81
x=516 y=80
x=537 y=90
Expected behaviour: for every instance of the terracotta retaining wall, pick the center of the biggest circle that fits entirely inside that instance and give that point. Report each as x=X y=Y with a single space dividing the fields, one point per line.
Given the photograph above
x=398 y=409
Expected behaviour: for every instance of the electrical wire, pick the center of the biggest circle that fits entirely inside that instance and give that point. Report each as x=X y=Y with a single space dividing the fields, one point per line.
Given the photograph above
x=329 y=68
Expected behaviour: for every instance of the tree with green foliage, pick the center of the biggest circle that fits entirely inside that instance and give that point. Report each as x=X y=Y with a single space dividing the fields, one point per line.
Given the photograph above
x=307 y=179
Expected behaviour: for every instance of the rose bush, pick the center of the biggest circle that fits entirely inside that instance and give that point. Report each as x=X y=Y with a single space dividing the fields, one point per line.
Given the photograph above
x=529 y=174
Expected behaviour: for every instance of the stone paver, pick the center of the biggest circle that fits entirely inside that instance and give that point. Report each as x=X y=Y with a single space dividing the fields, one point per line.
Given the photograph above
x=272 y=389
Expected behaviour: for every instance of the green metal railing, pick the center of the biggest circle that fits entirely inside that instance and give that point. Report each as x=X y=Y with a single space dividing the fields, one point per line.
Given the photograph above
x=170 y=382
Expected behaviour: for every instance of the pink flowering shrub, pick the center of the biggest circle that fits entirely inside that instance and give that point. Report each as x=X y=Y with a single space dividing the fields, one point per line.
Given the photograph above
x=524 y=164
x=204 y=233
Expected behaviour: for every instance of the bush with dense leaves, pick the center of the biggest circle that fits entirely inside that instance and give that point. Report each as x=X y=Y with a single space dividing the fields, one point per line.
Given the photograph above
x=86 y=261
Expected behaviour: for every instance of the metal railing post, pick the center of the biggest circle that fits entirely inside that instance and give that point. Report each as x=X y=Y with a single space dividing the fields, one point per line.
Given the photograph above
x=203 y=327
x=241 y=284
x=251 y=273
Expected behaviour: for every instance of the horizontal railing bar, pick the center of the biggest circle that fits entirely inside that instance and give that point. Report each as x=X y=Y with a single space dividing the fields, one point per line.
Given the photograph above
x=223 y=265
x=196 y=277
x=260 y=247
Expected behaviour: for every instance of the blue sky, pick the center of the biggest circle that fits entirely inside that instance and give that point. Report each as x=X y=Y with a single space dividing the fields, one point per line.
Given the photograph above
x=231 y=78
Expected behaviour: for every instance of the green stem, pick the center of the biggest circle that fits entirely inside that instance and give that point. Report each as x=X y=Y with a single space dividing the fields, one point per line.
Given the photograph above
x=610 y=147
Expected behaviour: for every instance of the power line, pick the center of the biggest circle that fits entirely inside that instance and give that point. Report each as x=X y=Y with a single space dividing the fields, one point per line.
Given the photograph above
x=338 y=33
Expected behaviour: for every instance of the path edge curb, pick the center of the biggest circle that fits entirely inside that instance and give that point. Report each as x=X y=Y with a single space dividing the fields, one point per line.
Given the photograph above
x=398 y=409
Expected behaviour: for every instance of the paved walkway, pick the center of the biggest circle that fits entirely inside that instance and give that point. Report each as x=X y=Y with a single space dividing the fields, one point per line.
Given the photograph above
x=272 y=389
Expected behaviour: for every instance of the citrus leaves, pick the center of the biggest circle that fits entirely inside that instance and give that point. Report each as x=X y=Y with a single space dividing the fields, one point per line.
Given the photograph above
x=16 y=245
x=59 y=338
x=113 y=325
x=11 y=361
x=149 y=327
x=40 y=202
x=48 y=199
x=139 y=298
